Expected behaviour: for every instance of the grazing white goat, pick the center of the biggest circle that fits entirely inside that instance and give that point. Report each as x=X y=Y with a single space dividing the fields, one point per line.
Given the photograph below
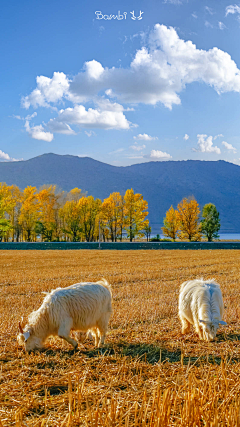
x=201 y=305
x=79 y=307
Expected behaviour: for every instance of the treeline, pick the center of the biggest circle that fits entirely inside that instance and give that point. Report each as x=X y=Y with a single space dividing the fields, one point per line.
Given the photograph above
x=50 y=215
x=187 y=222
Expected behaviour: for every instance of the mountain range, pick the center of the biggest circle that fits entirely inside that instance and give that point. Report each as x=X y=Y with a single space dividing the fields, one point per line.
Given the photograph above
x=162 y=184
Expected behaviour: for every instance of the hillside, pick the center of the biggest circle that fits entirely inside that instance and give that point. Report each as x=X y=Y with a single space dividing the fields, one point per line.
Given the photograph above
x=162 y=183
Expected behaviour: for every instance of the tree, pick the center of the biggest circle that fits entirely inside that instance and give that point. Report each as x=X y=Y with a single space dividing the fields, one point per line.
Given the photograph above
x=135 y=212
x=7 y=204
x=47 y=213
x=70 y=214
x=112 y=215
x=210 y=224
x=188 y=217
x=90 y=216
x=147 y=231
x=14 y=212
x=29 y=212
x=171 y=223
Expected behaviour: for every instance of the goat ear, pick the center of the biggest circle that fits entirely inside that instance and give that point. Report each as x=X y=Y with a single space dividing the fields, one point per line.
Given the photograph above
x=221 y=322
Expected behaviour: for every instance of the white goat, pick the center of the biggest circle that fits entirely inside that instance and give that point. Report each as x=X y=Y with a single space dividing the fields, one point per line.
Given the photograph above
x=78 y=307
x=201 y=305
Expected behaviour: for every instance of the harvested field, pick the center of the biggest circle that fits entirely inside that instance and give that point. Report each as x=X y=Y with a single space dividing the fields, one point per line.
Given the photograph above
x=147 y=374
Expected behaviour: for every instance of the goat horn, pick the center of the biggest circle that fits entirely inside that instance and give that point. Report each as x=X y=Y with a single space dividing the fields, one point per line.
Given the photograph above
x=20 y=328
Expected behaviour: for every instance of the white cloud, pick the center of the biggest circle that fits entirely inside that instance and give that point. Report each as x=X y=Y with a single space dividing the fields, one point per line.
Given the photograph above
x=145 y=137
x=232 y=9
x=138 y=147
x=60 y=127
x=28 y=117
x=186 y=137
x=205 y=145
x=229 y=146
x=194 y=15
x=157 y=154
x=209 y=10
x=221 y=25
x=92 y=118
x=218 y=136
x=90 y=133
x=38 y=132
x=158 y=73
x=47 y=91
x=94 y=69
x=5 y=157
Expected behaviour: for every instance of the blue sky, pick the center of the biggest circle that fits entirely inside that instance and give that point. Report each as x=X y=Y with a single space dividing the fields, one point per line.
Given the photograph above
x=160 y=83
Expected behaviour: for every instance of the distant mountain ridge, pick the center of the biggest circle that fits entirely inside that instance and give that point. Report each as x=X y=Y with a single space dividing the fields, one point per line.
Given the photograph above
x=162 y=183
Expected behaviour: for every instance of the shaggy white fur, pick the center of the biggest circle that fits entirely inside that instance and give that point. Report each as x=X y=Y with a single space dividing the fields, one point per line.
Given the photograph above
x=201 y=305
x=79 y=307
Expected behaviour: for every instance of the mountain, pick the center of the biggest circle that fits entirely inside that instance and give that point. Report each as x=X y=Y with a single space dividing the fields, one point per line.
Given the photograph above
x=162 y=183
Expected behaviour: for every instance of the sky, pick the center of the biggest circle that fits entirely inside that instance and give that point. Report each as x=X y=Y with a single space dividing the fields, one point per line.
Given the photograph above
x=122 y=82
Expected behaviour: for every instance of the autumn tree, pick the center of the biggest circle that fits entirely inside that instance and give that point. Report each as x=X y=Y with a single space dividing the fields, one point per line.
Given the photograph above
x=188 y=217
x=210 y=224
x=48 y=207
x=112 y=215
x=89 y=209
x=135 y=212
x=171 y=223
x=29 y=212
x=6 y=205
x=15 y=210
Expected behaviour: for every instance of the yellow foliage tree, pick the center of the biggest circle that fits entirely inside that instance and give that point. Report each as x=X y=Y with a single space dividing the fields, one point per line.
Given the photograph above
x=90 y=215
x=112 y=215
x=171 y=223
x=135 y=212
x=29 y=212
x=48 y=208
x=7 y=204
x=189 y=222
x=71 y=216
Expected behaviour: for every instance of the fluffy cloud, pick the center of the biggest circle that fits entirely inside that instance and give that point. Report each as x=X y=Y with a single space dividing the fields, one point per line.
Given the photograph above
x=158 y=73
x=229 y=146
x=38 y=132
x=5 y=157
x=205 y=145
x=186 y=137
x=157 y=154
x=92 y=118
x=47 y=91
x=138 y=147
x=232 y=9
x=145 y=137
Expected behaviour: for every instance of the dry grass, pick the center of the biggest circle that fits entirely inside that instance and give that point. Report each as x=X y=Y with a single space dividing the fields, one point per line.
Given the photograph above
x=147 y=374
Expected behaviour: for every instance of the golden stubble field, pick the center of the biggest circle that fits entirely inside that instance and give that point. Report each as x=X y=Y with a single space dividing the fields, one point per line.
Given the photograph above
x=147 y=374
